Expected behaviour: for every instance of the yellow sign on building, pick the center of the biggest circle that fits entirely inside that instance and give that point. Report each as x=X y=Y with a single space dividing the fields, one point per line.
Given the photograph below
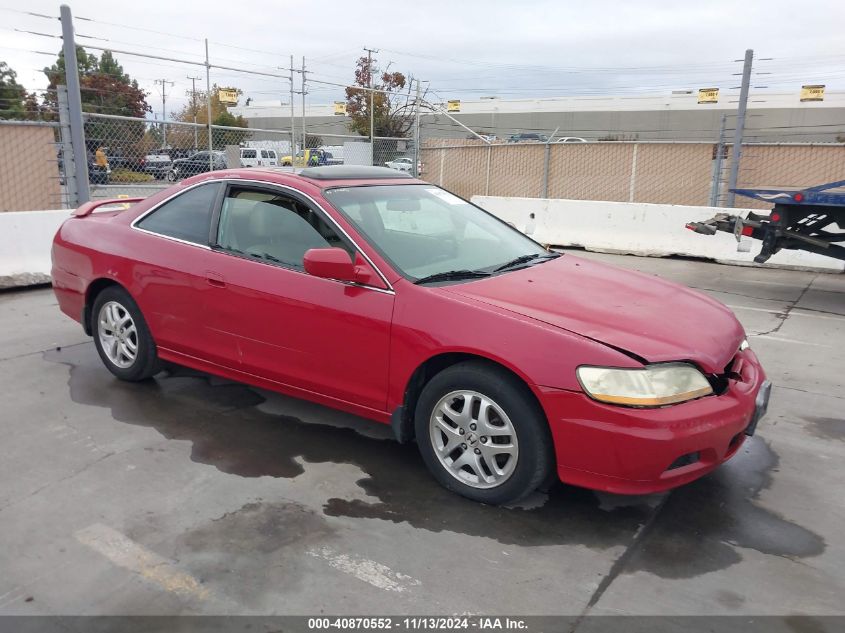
x=340 y=108
x=228 y=96
x=812 y=93
x=708 y=95
x=453 y=105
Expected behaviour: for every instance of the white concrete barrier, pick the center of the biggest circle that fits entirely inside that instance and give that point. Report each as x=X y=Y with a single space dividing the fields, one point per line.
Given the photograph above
x=637 y=228
x=25 y=240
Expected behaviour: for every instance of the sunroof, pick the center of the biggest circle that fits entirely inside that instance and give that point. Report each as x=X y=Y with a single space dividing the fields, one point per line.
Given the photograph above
x=352 y=172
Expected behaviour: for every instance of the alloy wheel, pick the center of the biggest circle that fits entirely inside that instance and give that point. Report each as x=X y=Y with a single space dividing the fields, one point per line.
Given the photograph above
x=474 y=439
x=118 y=334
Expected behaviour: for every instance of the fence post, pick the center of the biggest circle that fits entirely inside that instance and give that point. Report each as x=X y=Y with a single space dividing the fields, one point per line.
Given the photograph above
x=716 y=182
x=546 y=157
x=68 y=162
x=740 y=125
x=632 y=185
x=74 y=102
x=487 y=179
x=442 y=160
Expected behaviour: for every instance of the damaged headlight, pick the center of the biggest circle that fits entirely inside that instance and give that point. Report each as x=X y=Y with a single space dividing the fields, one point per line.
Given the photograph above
x=651 y=386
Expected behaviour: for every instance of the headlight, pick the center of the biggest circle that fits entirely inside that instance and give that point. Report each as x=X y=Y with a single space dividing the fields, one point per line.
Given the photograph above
x=652 y=386
x=744 y=345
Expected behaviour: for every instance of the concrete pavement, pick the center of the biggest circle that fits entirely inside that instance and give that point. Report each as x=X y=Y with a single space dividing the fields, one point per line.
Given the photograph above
x=190 y=494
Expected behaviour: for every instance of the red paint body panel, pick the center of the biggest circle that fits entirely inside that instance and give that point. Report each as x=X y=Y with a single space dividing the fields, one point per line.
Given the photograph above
x=356 y=348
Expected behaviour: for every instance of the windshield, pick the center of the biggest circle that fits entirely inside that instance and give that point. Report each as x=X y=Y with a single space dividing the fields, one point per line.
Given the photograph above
x=424 y=231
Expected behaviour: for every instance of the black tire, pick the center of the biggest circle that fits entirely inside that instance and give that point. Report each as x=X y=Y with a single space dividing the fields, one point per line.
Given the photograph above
x=535 y=458
x=146 y=362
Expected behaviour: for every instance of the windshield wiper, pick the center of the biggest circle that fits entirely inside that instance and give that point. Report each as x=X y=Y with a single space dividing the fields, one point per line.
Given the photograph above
x=451 y=275
x=268 y=257
x=524 y=259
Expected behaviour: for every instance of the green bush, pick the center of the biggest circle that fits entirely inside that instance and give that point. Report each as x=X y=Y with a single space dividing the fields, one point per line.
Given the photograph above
x=127 y=175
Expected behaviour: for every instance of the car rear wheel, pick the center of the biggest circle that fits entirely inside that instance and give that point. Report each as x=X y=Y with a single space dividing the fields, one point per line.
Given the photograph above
x=482 y=434
x=121 y=336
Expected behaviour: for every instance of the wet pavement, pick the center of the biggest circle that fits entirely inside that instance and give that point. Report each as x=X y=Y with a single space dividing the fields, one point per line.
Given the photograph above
x=191 y=494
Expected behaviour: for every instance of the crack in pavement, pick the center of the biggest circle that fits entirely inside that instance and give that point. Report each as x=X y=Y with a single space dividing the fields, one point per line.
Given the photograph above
x=619 y=564
x=788 y=310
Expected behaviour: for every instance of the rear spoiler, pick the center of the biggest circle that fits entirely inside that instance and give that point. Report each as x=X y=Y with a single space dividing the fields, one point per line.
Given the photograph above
x=88 y=207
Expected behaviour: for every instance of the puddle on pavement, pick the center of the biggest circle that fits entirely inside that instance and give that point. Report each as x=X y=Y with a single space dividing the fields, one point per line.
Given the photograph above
x=695 y=532
x=826 y=428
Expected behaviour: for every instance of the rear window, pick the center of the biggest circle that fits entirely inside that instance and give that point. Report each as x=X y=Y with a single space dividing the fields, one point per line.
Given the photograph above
x=186 y=217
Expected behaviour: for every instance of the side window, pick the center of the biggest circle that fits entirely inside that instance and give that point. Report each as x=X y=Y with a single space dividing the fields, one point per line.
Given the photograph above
x=264 y=154
x=248 y=153
x=272 y=227
x=185 y=217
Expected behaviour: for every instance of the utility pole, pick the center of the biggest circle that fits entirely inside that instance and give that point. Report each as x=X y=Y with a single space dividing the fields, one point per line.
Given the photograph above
x=370 y=52
x=740 y=124
x=417 y=132
x=208 y=107
x=194 y=81
x=74 y=98
x=304 y=139
x=292 y=126
x=163 y=83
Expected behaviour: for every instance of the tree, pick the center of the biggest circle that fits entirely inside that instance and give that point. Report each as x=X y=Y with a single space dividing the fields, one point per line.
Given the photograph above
x=105 y=89
x=197 y=110
x=393 y=105
x=104 y=86
x=13 y=96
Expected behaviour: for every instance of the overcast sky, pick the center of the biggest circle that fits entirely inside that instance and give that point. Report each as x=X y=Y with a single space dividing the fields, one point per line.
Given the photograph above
x=464 y=48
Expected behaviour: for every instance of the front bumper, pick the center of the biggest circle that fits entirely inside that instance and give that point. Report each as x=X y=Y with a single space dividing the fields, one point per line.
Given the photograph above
x=640 y=451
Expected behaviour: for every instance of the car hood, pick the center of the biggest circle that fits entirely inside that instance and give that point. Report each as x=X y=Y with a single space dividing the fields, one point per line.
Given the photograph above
x=644 y=315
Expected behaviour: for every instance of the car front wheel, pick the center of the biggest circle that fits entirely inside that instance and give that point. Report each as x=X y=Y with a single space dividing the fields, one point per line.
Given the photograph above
x=482 y=434
x=121 y=336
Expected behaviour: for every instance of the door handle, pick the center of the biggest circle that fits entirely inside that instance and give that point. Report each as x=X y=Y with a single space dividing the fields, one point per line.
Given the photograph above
x=215 y=279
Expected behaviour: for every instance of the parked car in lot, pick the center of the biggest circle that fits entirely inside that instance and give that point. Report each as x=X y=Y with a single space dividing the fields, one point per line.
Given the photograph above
x=157 y=163
x=258 y=157
x=307 y=158
x=527 y=137
x=402 y=164
x=196 y=164
x=373 y=292
x=569 y=139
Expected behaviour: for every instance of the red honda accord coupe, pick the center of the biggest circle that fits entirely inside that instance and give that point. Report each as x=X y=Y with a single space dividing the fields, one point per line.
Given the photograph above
x=370 y=291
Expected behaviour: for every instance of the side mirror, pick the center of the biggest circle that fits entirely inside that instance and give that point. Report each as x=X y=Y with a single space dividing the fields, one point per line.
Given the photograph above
x=329 y=263
x=335 y=263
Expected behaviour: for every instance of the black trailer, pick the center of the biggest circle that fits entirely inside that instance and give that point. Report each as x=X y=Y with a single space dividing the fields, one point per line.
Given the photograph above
x=802 y=219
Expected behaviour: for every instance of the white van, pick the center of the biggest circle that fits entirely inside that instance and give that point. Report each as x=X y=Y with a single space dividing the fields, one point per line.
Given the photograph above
x=258 y=157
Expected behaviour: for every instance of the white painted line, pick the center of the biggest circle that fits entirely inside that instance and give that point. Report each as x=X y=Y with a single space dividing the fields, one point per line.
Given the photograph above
x=126 y=553
x=783 y=339
x=798 y=312
x=736 y=307
x=369 y=571
x=801 y=312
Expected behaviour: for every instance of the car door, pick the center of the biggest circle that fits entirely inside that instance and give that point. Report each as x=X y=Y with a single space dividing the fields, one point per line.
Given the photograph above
x=316 y=334
x=172 y=273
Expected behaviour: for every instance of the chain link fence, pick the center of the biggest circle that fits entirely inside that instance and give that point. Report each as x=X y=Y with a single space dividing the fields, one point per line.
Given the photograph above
x=654 y=172
x=138 y=156
x=31 y=166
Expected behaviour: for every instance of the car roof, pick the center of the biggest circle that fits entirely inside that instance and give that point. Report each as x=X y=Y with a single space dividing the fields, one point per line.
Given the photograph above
x=329 y=178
